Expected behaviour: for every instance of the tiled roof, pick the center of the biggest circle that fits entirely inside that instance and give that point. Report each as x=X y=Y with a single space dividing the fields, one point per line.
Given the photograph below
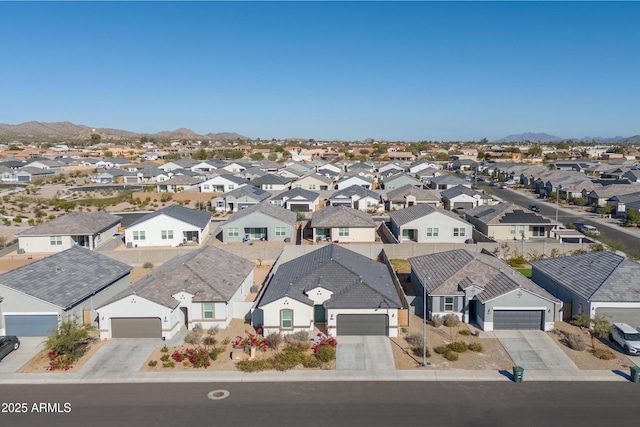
x=75 y=223
x=190 y=216
x=271 y=179
x=266 y=208
x=461 y=189
x=357 y=281
x=66 y=278
x=210 y=274
x=255 y=193
x=506 y=213
x=341 y=216
x=594 y=276
x=411 y=213
x=400 y=194
x=355 y=190
x=298 y=192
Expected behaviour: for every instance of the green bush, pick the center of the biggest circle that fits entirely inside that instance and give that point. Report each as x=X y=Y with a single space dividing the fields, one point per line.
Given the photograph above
x=576 y=342
x=164 y=357
x=147 y=264
x=465 y=332
x=603 y=353
x=414 y=339
x=442 y=349
x=437 y=321
x=475 y=346
x=451 y=355
x=169 y=364
x=457 y=346
x=326 y=353
x=286 y=360
x=418 y=351
x=153 y=363
x=164 y=349
x=255 y=365
x=310 y=361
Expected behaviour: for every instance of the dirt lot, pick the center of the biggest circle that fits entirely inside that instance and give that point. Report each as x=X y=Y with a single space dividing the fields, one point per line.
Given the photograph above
x=584 y=359
x=226 y=361
x=493 y=355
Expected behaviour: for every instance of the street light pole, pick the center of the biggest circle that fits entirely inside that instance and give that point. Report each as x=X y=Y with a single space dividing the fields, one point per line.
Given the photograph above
x=424 y=319
x=558 y=200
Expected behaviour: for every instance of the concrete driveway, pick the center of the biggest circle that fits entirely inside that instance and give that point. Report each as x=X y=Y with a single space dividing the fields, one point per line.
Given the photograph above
x=534 y=350
x=119 y=357
x=364 y=353
x=29 y=347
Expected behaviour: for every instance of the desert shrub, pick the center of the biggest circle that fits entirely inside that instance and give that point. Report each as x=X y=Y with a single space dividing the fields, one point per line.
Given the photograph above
x=164 y=357
x=442 y=349
x=169 y=364
x=311 y=361
x=251 y=340
x=450 y=320
x=451 y=355
x=286 y=360
x=274 y=340
x=475 y=346
x=68 y=344
x=153 y=363
x=147 y=264
x=300 y=336
x=603 y=353
x=437 y=321
x=209 y=340
x=457 y=346
x=302 y=346
x=164 y=349
x=254 y=365
x=576 y=342
x=326 y=353
x=215 y=352
x=404 y=330
x=418 y=350
x=199 y=357
x=177 y=356
x=414 y=340
x=465 y=332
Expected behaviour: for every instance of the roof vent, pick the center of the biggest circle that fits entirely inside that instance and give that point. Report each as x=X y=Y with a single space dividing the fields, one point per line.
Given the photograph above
x=58 y=270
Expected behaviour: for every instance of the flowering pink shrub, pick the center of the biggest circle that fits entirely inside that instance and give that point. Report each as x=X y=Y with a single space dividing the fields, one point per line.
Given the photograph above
x=324 y=340
x=177 y=356
x=251 y=340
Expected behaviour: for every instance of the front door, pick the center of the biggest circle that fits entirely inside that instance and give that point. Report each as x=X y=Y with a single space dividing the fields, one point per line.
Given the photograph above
x=319 y=314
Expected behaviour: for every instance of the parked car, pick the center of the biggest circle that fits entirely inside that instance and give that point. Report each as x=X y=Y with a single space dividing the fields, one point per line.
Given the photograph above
x=627 y=337
x=534 y=208
x=495 y=184
x=8 y=344
x=503 y=187
x=586 y=229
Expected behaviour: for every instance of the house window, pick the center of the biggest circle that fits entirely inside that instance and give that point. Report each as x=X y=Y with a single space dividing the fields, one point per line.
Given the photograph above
x=281 y=231
x=56 y=240
x=512 y=229
x=138 y=235
x=231 y=187
x=277 y=202
x=343 y=232
x=433 y=232
x=220 y=203
x=458 y=232
x=233 y=232
x=286 y=319
x=448 y=303
x=324 y=187
x=205 y=187
x=298 y=186
x=167 y=234
x=268 y=187
x=521 y=230
x=312 y=186
x=207 y=311
x=538 y=232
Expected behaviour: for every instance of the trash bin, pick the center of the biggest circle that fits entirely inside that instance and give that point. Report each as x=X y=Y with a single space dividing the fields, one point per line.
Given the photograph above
x=518 y=373
x=635 y=374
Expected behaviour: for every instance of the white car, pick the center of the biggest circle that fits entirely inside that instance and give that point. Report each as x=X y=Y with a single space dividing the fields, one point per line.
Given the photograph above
x=627 y=337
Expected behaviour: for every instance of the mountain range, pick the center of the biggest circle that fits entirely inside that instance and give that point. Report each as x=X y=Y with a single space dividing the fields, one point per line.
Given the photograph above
x=546 y=138
x=67 y=130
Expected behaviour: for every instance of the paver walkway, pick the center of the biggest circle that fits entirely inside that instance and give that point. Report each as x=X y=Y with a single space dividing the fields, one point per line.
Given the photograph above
x=364 y=353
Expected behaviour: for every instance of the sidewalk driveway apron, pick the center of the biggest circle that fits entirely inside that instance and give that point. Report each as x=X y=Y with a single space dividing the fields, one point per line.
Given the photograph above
x=534 y=350
x=119 y=357
x=370 y=353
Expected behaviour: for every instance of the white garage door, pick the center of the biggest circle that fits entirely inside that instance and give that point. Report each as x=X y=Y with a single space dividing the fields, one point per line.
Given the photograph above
x=630 y=316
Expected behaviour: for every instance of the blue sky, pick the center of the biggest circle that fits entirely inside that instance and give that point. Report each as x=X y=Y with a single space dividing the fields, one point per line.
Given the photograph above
x=325 y=70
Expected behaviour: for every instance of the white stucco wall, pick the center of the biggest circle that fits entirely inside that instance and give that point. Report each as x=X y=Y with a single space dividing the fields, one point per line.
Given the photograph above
x=302 y=316
x=355 y=235
x=153 y=231
x=443 y=223
x=136 y=306
x=32 y=244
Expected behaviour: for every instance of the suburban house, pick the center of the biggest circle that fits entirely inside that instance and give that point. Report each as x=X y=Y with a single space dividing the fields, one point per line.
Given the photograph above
x=446 y=181
x=64 y=286
x=272 y=182
x=178 y=183
x=174 y=225
x=207 y=286
x=506 y=221
x=222 y=184
x=184 y=163
x=410 y=195
x=329 y=169
x=399 y=180
x=234 y=167
x=314 y=182
x=238 y=199
x=421 y=165
x=88 y=230
x=263 y=221
x=348 y=292
x=595 y=283
x=342 y=224
x=424 y=223
x=356 y=197
x=481 y=289
x=463 y=197
x=206 y=166
x=297 y=200
x=353 y=180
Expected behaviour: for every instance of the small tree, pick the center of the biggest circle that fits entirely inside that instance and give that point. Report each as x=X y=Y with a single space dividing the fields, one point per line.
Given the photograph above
x=451 y=321
x=194 y=336
x=597 y=327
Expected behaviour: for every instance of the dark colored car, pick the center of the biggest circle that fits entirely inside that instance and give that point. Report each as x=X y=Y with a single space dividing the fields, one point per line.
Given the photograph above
x=8 y=344
x=534 y=208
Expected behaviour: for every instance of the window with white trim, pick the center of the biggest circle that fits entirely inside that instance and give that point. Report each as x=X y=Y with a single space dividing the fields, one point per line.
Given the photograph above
x=207 y=311
x=312 y=186
x=281 y=231
x=233 y=232
x=343 y=232
x=166 y=234
x=286 y=319
x=139 y=235
x=512 y=229
x=458 y=232
x=55 y=240
x=433 y=231
x=448 y=303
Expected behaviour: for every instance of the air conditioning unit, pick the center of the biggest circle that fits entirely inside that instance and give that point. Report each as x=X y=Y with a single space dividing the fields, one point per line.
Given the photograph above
x=129 y=244
x=20 y=251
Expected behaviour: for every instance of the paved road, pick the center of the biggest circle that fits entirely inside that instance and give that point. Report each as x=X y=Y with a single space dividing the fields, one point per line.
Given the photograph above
x=534 y=350
x=329 y=404
x=610 y=232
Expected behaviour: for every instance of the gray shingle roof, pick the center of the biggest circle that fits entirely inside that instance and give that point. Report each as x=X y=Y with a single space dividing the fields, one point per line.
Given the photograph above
x=298 y=192
x=248 y=191
x=66 y=278
x=266 y=208
x=210 y=274
x=400 y=194
x=190 y=216
x=357 y=281
x=355 y=190
x=595 y=276
x=449 y=273
x=506 y=213
x=271 y=179
x=75 y=223
x=406 y=215
x=341 y=216
x=461 y=189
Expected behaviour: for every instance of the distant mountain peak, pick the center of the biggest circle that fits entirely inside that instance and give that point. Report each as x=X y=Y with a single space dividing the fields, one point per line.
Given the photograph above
x=530 y=136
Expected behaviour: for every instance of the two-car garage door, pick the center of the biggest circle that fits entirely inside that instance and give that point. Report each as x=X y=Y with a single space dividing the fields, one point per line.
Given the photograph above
x=30 y=325
x=628 y=315
x=518 y=319
x=129 y=327
x=362 y=324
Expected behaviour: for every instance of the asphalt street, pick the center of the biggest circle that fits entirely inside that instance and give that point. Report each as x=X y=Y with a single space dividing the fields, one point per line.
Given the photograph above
x=607 y=232
x=323 y=404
